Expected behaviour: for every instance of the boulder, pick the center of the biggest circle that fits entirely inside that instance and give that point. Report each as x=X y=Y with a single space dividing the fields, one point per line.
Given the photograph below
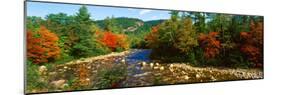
x=59 y=83
x=42 y=70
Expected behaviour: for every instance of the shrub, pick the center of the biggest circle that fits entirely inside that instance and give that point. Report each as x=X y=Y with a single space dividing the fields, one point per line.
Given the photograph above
x=110 y=77
x=34 y=83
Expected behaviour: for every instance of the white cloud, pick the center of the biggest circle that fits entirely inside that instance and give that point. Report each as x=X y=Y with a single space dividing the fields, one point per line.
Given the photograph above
x=142 y=12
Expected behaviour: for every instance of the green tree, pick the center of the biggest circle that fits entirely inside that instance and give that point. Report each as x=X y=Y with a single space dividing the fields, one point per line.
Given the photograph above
x=176 y=35
x=62 y=25
x=34 y=23
x=186 y=38
x=199 y=20
x=111 y=25
x=174 y=16
x=83 y=16
x=59 y=23
x=85 y=45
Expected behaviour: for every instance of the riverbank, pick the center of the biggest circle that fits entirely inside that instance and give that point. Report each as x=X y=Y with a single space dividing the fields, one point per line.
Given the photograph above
x=143 y=72
x=174 y=73
x=93 y=72
x=100 y=57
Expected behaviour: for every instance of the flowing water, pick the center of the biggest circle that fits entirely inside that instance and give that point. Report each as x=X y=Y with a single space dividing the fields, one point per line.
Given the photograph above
x=135 y=57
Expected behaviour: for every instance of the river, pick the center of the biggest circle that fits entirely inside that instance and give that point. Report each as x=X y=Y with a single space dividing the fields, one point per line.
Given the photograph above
x=143 y=71
x=135 y=57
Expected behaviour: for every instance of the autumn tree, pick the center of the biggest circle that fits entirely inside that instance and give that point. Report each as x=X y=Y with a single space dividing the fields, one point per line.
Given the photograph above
x=110 y=40
x=123 y=42
x=186 y=38
x=152 y=37
x=113 y=41
x=176 y=35
x=42 y=46
x=252 y=43
x=167 y=32
x=210 y=44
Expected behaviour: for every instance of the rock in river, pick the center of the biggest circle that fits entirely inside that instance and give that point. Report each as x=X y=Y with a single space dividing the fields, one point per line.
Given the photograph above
x=143 y=63
x=42 y=70
x=186 y=77
x=59 y=83
x=123 y=61
x=162 y=68
x=151 y=65
x=198 y=76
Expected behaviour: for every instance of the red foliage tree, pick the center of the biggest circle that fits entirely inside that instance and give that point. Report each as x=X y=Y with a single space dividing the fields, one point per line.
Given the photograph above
x=42 y=45
x=252 y=43
x=109 y=39
x=113 y=41
x=210 y=44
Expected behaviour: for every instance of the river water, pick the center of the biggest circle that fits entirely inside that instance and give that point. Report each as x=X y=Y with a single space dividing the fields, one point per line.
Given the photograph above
x=135 y=57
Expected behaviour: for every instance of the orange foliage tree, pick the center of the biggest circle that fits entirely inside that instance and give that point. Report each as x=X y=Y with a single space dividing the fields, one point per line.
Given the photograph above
x=252 y=43
x=123 y=41
x=42 y=45
x=210 y=44
x=112 y=40
x=152 y=37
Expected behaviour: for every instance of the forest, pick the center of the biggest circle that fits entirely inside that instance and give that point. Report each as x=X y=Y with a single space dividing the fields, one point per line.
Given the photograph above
x=76 y=52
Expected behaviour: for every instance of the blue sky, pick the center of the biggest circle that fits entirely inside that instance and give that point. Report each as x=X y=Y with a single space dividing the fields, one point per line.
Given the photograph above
x=97 y=12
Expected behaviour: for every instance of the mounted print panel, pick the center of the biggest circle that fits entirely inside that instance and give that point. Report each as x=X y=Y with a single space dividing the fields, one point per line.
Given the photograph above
x=74 y=47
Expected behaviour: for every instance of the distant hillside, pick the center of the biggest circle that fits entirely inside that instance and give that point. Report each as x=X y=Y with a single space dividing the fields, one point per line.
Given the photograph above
x=123 y=22
x=153 y=22
x=130 y=24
